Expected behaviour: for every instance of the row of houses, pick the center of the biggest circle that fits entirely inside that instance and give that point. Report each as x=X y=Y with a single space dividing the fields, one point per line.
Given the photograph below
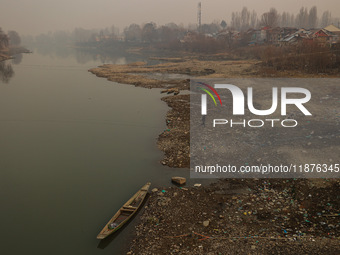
x=266 y=35
x=288 y=36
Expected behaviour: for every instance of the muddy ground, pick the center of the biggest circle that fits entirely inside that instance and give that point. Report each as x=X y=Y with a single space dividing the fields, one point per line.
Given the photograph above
x=242 y=217
x=237 y=216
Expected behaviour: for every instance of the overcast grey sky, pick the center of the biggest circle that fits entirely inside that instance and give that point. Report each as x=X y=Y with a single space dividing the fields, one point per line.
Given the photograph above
x=36 y=16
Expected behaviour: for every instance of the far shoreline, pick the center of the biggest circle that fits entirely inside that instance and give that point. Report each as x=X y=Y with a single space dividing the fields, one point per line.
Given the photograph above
x=13 y=50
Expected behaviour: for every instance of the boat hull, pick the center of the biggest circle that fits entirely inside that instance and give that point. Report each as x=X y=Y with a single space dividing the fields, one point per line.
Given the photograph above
x=125 y=212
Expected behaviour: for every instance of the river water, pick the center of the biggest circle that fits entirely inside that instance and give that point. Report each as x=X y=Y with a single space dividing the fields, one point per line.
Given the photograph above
x=74 y=148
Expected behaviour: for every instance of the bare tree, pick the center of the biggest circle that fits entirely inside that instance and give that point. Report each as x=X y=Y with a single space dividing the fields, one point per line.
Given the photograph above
x=236 y=20
x=245 y=18
x=172 y=25
x=149 y=33
x=302 y=18
x=253 y=19
x=80 y=35
x=292 y=20
x=169 y=34
x=14 y=38
x=313 y=17
x=133 y=33
x=284 y=19
x=114 y=31
x=326 y=19
x=270 y=19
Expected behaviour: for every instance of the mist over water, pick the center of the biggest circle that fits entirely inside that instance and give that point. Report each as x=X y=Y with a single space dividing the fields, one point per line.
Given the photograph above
x=74 y=149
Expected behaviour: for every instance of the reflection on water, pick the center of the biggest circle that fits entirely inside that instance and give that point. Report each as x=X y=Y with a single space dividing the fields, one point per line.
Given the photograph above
x=6 y=71
x=85 y=55
x=89 y=55
x=74 y=148
x=17 y=59
x=82 y=56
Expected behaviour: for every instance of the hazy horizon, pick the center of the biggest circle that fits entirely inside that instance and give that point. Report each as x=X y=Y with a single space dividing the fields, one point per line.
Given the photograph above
x=40 y=16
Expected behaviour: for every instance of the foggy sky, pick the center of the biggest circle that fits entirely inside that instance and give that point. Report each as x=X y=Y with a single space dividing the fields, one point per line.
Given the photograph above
x=37 y=16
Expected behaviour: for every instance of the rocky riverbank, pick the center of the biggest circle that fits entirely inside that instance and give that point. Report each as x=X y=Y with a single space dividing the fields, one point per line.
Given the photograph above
x=237 y=216
x=246 y=145
x=242 y=217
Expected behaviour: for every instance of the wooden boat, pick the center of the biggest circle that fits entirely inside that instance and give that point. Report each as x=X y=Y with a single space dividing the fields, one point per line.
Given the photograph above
x=125 y=212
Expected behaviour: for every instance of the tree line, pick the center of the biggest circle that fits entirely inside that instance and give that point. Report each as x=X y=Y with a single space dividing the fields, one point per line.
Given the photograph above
x=307 y=19
x=150 y=32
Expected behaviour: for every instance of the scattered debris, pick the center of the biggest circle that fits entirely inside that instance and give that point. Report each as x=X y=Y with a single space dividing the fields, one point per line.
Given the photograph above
x=206 y=223
x=249 y=216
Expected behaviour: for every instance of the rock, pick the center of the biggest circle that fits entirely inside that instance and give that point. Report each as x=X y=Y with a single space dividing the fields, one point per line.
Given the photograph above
x=163 y=201
x=206 y=223
x=179 y=180
x=154 y=190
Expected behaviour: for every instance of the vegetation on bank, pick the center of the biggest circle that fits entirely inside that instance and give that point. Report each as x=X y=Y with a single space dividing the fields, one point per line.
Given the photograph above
x=10 y=44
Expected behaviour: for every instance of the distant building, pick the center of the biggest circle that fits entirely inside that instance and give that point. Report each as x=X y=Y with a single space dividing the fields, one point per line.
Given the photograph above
x=327 y=37
x=333 y=29
x=298 y=36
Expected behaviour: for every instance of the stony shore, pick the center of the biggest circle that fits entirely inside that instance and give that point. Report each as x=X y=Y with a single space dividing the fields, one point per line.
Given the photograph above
x=237 y=216
x=242 y=217
x=174 y=77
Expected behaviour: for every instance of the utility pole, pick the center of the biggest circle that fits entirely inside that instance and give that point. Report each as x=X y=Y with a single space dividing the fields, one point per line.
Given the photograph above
x=199 y=17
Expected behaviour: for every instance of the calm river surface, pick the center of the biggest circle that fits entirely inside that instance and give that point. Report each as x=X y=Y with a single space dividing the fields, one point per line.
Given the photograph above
x=74 y=148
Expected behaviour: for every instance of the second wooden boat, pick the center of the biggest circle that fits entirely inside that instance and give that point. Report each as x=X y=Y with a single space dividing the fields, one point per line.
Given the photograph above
x=125 y=212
